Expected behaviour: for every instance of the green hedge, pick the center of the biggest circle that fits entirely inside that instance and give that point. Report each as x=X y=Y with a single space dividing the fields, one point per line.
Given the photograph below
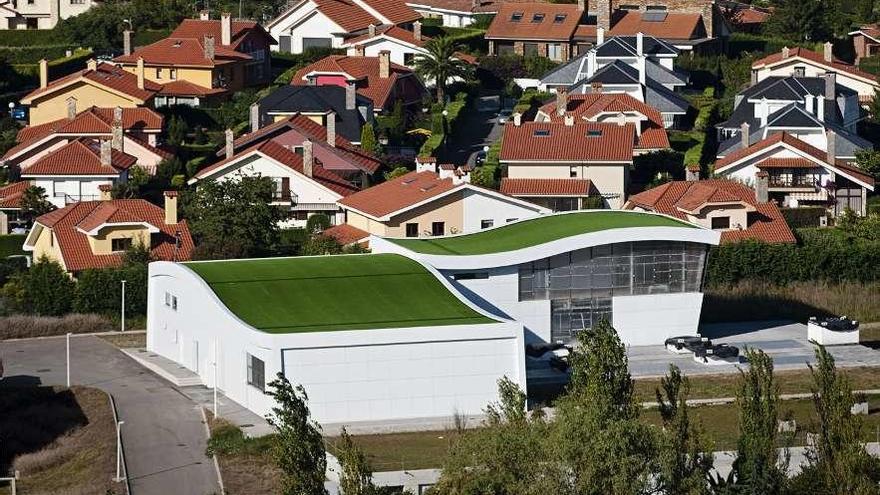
x=100 y=291
x=33 y=54
x=11 y=245
x=20 y=38
x=746 y=42
x=803 y=217
x=58 y=67
x=453 y=109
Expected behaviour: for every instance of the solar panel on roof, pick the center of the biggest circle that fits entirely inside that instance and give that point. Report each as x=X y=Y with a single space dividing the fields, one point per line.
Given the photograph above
x=655 y=16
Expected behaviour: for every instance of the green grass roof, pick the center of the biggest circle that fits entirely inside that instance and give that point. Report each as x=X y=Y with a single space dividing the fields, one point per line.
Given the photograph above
x=330 y=293
x=536 y=231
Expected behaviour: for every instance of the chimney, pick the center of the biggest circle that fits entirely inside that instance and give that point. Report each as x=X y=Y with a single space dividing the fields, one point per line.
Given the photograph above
x=417 y=30
x=126 y=42
x=210 y=50
x=372 y=30
x=828 y=52
x=754 y=78
x=331 y=129
x=106 y=153
x=92 y=64
x=808 y=103
x=517 y=119
x=350 y=96
x=785 y=52
x=385 y=64
x=71 y=108
x=106 y=191
x=765 y=110
x=692 y=172
x=830 y=86
x=205 y=15
x=255 y=117
x=591 y=63
x=640 y=44
x=426 y=164
x=140 y=73
x=170 y=207
x=600 y=36
x=569 y=120
x=230 y=143
x=44 y=73
x=118 y=140
x=621 y=119
x=762 y=184
x=642 y=62
x=830 y=147
x=226 y=29
x=308 y=157
x=744 y=135
x=359 y=51
x=561 y=101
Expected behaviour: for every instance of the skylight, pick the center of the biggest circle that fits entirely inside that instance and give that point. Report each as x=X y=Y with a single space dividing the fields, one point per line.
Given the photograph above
x=516 y=16
x=542 y=132
x=594 y=133
x=559 y=18
x=539 y=17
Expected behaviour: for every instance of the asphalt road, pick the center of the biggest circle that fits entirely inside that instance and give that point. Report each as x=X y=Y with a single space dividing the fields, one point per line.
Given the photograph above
x=479 y=128
x=163 y=434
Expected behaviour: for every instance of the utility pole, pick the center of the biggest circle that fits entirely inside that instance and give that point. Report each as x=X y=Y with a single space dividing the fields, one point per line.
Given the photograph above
x=68 y=359
x=123 y=305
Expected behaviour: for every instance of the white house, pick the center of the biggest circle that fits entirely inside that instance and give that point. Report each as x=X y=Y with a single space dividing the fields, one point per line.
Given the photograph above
x=40 y=14
x=303 y=187
x=403 y=45
x=455 y=13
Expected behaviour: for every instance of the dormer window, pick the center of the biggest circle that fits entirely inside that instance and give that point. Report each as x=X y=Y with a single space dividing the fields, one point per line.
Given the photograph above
x=516 y=17
x=537 y=18
x=560 y=18
x=121 y=244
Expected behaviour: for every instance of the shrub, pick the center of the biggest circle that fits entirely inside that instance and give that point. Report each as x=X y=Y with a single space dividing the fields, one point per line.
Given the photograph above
x=804 y=216
x=100 y=291
x=43 y=290
x=318 y=222
x=24 y=326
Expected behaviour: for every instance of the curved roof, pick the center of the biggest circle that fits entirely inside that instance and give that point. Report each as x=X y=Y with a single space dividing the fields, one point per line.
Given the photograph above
x=334 y=293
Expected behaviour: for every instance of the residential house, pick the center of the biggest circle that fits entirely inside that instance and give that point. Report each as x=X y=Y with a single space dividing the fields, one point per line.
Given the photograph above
x=558 y=158
x=731 y=207
x=335 y=153
x=800 y=62
x=404 y=46
x=745 y=18
x=458 y=13
x=866 y=40
x=329 y=23
x=640 y=66
x=430 y=201
x=40 y=14
x=138 y=129
x=203 y=59
x=303 y=186
x=11 y=220
x=352 y=110
x=376 y=78
x=797 y=173
x=821 y=97
x=610 y=108
x=103 y=83
x=96 y=234
x=77 y=170
x=563 y=31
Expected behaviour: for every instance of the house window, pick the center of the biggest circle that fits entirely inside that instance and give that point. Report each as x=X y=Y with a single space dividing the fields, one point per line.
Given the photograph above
x=256 y=372
x=486 y=224
x=174 y=303
x=412 y=230
x=172 y=74
x=800 y=71
x=554 y=51
x=471 y=276
x=720 y=223
x=573 y=172
x=560 y=18
x=516 y=17
x=121 y=244
x=168 y=299
x=438 y=228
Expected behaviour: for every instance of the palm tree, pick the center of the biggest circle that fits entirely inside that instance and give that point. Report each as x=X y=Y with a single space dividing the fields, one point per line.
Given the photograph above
x=440 y=64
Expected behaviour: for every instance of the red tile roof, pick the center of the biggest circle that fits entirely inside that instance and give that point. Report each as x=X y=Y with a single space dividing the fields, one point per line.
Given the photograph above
x=74 y=245
x=676 y=26
x=396 y=11
x=767 y=223
x=390 y=31
x=481 y=7
x=292 y=160
x=346 y=234
x=745 y=16
x=581 y=142
x=504 y=25
x=186 y=88
x=10 y=194
x=183 y=52
x=547 y=187
x=401 y=84
x=787 y=163
x=814 y=57
x=107 y=75
x=80 y=157
x=198 y=29
x=396 y=194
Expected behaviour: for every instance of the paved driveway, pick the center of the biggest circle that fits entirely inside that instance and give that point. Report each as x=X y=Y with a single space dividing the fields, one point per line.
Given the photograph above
x=477 y=129
x=164 y=436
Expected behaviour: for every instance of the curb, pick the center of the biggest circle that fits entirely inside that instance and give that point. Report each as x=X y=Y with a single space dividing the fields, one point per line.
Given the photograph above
x=93 y=334
x=121 y=443
x=730 y=400
x=216 y=462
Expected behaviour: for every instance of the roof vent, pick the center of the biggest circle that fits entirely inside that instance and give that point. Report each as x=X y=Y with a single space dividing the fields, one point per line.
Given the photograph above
x=542 y=132
x=429 y=187
x=559 y=18
x=409 y=181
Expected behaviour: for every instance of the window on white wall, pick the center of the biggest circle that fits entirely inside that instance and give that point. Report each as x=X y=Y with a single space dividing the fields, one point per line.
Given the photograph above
x=256 y=372
x=485 y=224
x=168 y=299
x=174 y=303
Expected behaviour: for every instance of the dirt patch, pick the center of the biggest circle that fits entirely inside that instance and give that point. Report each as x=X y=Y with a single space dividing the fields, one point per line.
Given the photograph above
x=245 y=463
x=127 y=340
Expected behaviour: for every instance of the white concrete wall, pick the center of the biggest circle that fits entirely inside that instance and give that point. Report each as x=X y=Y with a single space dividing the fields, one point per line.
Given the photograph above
x=450 y=18
x=863 y=88
x=305 y=21
x=397 y=49
x=77 y=188
x=651 y=319
x=479 y=206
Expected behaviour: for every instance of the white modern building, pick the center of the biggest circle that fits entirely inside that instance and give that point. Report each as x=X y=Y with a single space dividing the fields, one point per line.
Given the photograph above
x=424 y=328
x=40 y=14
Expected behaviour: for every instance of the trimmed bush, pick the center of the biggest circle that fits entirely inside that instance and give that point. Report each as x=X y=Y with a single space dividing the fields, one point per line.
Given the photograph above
x=803 y=217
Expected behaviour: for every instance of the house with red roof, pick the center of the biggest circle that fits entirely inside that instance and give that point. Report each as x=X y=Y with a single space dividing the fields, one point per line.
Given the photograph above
x=203 y=59
x=329 y=23
x=10 y=207
x=434 y=200
x=728 y=206
x=561 y=164
x=460 y=13
x=137 y=128
x=800 y=62
x=403 y=45
x=377 y=78
x=797 y=173
x=96 y=234
x=303 y=186
x=103 y=83
x=866 y=41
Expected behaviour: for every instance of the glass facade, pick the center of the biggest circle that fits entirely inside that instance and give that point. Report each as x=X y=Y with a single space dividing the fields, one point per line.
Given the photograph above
x=580 y=284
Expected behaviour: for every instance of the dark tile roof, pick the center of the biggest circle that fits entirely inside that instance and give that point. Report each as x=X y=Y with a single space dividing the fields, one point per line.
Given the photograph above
x=320 y=99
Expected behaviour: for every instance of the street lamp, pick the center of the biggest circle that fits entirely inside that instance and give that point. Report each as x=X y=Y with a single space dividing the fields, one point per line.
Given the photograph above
x=68 y=359
x=11 y=109
x=123 y=305
x=119 y=477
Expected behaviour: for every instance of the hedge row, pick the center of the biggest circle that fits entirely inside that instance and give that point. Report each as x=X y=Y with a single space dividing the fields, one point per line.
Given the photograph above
x=58 y=67
x=453 y=109
x=32 y=54
x=11 y=245
x=804 y=216
x=20 y=38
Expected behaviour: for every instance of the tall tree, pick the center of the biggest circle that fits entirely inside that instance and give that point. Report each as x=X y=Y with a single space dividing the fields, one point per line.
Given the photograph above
x=45 y=289
x=368 y=138
x=357 y=475
x=34 y=202
x=298 y=447
x=440 y=64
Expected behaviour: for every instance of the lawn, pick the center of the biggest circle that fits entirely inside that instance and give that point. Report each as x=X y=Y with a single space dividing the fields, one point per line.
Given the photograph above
x=61 y=441
x=330 y=293
x=536 y=231
x=245 y=463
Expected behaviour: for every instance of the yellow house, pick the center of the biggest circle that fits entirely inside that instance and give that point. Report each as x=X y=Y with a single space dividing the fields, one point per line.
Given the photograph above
x=103 y=84
x=203 y=59
x=96 y=234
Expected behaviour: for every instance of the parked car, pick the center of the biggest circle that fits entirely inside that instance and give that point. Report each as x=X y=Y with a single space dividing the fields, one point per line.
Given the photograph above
x=718 y=354
x=480 y=158
x=504 y=116
x=686 y=344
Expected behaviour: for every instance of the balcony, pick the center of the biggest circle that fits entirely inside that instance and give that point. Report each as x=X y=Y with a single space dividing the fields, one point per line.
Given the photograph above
x=794 y=181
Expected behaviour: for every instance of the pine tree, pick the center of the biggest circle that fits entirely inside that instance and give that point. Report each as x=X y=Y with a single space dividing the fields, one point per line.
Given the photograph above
x=368 y=138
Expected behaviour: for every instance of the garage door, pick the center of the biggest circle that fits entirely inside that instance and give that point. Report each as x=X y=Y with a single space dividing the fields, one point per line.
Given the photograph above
x=317 y=43
x=397 y=381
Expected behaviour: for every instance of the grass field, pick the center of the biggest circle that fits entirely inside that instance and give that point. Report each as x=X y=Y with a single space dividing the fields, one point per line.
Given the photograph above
x=536 y=231
x=61 y=441
x=329 y=293
x=127 y=340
